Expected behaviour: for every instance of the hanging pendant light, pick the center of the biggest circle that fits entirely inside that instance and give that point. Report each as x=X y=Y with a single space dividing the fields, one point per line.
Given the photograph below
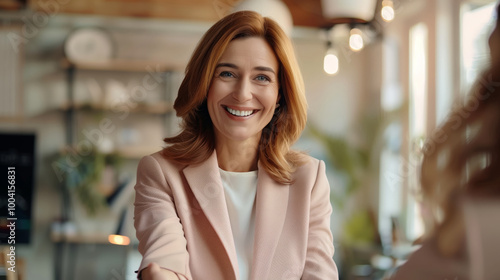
x=387 y=11
x=331 y=60
x=356 y=42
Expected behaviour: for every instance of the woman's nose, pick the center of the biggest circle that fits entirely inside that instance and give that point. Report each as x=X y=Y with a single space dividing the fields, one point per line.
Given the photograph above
x=242 y=92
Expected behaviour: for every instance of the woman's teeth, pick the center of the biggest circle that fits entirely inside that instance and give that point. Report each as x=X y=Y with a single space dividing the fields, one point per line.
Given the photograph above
x=239 y=113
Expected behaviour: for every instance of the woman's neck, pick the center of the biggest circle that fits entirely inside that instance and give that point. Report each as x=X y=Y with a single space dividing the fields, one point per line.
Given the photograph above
x=236 y=156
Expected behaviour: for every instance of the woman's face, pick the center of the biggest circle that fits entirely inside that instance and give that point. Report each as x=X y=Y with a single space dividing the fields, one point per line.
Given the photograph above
x=244 y=90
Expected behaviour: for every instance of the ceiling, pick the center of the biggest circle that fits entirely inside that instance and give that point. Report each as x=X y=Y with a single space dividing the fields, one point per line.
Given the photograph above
x=304 y=13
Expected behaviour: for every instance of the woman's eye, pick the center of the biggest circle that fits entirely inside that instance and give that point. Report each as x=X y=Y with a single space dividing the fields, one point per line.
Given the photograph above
x=262 y=78
x=226 y=74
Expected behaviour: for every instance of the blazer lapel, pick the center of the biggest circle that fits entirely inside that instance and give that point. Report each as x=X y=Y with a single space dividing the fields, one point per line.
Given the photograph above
x=271 y=204
x=206 y=184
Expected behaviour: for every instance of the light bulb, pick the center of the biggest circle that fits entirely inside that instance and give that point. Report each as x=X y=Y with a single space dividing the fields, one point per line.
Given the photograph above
x=356 y=40
x=118 y=239
x=387 y=11
x=331 y=63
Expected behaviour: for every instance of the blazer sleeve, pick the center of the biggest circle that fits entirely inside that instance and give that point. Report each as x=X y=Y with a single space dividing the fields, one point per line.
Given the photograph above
x=158 y=227
x=319 y=259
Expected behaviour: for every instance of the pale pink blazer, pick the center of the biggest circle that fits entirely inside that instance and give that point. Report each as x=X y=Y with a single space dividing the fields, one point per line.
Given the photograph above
x=182 y=222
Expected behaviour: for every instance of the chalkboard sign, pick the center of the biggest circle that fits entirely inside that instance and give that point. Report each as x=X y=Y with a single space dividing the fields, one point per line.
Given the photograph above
x=17 y=171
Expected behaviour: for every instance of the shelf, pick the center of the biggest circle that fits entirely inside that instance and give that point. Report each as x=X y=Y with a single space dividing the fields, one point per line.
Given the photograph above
x=130 y=152
x=137 y=152
x=84 y=238
x=13 y=119
x=126 y=144
x=119 y=65
x=157 y=108
x=80 y=238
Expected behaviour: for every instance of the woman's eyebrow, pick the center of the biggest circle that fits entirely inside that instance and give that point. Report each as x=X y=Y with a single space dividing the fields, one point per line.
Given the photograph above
x=230 y=65
x=259 y=68
x=264 y=68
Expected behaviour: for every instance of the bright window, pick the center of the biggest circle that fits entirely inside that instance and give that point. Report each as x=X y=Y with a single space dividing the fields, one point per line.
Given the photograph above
x=476 y=24
x=417 y=119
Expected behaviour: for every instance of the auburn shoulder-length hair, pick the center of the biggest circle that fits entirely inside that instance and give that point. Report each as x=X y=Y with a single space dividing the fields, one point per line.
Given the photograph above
x=196 y=141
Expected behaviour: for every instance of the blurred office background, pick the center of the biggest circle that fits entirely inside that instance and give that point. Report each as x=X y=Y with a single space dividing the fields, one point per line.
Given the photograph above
x=87 y=89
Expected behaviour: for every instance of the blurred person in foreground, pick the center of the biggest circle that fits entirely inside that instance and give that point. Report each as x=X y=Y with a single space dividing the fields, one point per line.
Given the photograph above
x=460 y=181
x=228 y=198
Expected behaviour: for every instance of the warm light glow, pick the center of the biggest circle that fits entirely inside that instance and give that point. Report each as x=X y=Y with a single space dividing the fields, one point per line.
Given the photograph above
x=331 y=64
x=356 y=40
x=118 y=239
x=387 y=13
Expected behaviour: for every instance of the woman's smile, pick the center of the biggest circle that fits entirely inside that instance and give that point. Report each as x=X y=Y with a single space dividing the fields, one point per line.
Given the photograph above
x=239 y=112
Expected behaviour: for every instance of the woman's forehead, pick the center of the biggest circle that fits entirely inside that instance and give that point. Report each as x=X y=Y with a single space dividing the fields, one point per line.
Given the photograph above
x=250 y=51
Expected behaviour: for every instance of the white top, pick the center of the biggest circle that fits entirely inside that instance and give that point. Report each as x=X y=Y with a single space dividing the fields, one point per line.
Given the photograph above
x=240 y=189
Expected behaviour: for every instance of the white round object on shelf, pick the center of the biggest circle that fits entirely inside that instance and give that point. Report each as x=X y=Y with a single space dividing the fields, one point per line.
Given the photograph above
x=89 y=45
x=274 y=9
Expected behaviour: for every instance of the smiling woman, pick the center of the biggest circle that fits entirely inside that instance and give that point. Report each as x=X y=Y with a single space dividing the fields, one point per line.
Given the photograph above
x=228 y=198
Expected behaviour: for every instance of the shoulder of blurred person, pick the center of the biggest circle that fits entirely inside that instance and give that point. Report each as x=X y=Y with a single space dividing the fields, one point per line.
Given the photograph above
x=429 y=264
